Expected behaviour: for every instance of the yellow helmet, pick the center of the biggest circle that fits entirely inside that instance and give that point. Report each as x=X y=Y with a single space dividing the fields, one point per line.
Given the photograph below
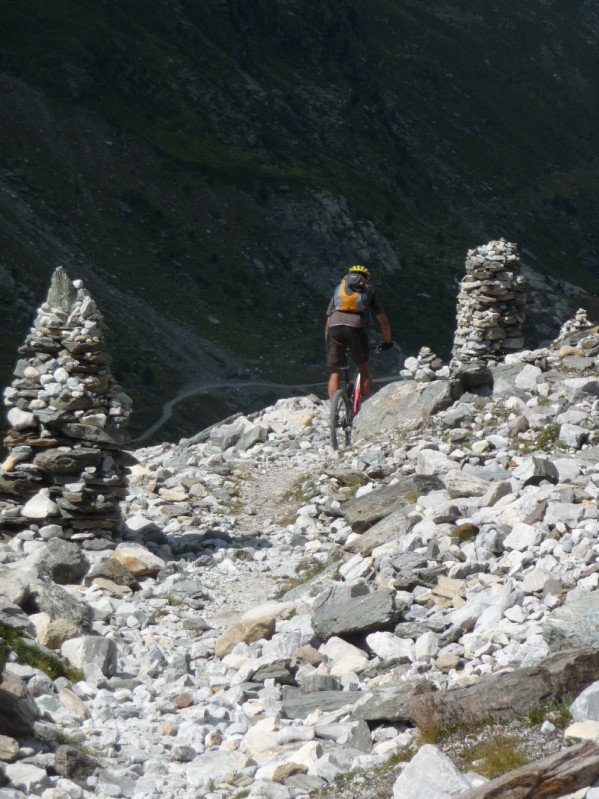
x=359 y=270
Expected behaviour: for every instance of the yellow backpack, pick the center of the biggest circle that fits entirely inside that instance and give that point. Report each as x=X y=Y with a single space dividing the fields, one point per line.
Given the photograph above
x=349 y=300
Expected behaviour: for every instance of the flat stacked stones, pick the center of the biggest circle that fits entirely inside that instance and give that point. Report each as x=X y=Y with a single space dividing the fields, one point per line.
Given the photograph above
x=577 y=324
x=491 y=305
x=67 y=423
x=426 y=366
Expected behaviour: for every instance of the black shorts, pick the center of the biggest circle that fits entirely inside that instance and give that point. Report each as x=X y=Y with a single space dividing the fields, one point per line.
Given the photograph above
x=340 y=339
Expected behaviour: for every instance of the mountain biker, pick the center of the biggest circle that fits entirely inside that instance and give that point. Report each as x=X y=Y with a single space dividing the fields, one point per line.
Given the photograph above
x=347 y=327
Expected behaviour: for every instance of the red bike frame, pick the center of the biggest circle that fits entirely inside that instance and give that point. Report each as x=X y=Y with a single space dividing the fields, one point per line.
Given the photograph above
x=357 y=394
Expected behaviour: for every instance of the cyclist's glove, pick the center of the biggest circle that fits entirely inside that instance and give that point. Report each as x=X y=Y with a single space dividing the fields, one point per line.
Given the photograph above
x=386 y=345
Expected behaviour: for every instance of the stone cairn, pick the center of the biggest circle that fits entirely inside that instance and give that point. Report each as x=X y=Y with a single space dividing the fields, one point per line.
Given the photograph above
x=491 y=305
x=577 y=324
x=66 y=464
x=423 y=368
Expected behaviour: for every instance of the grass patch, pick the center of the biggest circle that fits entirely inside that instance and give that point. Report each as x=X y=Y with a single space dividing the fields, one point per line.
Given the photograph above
x=355 y=481
x=411 y=497
x=546 y=439
x=548 y=436
x=288 y=518
x=436 y=720
x=558 y=714
x=30 y=653
x=307 y=571
x=496 y=755
x=63 y=739
x=300 y=491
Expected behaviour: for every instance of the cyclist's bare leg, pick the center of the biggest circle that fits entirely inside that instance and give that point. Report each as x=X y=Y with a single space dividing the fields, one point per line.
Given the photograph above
x=334 y=383
x=365 y=379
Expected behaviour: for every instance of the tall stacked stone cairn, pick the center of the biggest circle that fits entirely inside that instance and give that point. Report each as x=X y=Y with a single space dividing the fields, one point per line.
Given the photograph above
x=66 y=465
x=491 y=305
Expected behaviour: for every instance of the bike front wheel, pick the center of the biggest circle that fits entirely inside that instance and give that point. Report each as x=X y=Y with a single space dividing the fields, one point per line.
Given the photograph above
x=340 y=420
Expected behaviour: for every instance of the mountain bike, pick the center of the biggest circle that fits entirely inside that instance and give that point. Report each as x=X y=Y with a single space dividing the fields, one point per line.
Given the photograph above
x=344 y=406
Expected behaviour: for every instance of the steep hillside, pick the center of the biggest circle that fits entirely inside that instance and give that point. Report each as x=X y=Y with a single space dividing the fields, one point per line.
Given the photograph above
x=209 y=169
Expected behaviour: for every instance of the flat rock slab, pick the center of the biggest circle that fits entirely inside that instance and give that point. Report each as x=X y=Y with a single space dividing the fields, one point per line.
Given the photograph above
x=298 y=705
x=559 y=677
x=347 y=610
x=391 y=528
x=364 y=511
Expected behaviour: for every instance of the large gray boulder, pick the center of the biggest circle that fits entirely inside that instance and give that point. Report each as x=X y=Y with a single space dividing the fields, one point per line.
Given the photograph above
x=351 y=609
x=404 y=405
x=63 y=561
x=298 y=705
x=574 y=624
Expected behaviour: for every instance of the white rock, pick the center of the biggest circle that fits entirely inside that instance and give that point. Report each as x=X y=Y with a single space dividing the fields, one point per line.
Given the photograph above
x=426 y=646
x=586 y=705
x=535 y=580
x=430 y=775
x=343 y=657
x=40 y=506
x=522 y=537
x=29 y=778
x=431 y=461
x=388 y=646
x=583 y=731
x=21 y=420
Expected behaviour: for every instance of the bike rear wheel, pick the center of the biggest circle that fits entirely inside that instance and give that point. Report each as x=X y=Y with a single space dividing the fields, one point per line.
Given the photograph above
x=340 y=419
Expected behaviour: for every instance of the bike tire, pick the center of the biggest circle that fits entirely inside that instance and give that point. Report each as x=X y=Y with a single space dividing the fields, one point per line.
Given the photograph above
x=340 y=419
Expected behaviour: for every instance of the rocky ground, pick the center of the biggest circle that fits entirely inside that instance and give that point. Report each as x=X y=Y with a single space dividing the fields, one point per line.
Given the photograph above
x=284 y=621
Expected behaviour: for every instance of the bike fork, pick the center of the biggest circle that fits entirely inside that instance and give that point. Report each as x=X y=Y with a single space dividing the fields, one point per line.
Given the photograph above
x=357 y=394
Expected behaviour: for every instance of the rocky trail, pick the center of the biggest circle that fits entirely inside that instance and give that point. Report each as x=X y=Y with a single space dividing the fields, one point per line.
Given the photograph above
x=270 y=638
x=413 y=616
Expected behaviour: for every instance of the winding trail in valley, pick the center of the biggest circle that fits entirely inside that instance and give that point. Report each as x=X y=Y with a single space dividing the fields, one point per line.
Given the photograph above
x=199 y=388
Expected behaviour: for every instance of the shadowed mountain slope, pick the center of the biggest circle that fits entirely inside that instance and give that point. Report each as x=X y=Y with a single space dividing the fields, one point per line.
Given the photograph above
x=210 y=169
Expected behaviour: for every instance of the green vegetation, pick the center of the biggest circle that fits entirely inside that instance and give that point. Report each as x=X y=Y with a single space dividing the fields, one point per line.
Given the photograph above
x=69 y=740
x=495 y=755
x=546 y=439
x=306 y=571
x=548 y=436
x=558 y=714
x=30 y=653
x=412 y=497
x=300 y=491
